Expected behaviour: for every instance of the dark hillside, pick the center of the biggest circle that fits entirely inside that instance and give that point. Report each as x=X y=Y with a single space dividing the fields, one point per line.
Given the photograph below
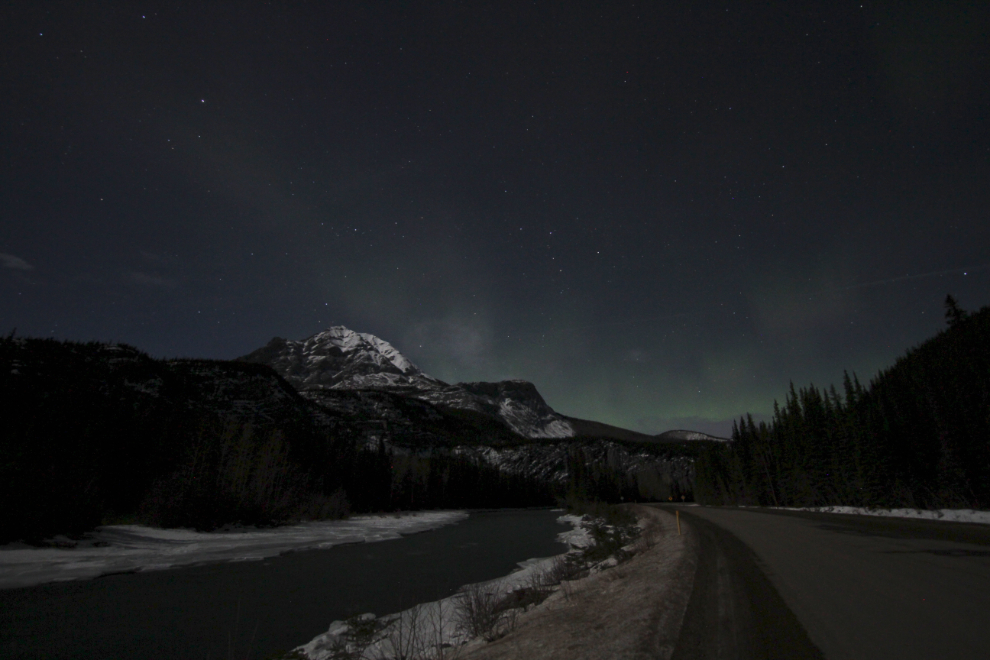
x=88 y=429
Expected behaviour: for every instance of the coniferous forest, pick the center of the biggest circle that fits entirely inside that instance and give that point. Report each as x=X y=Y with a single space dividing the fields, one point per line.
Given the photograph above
x=917 y=436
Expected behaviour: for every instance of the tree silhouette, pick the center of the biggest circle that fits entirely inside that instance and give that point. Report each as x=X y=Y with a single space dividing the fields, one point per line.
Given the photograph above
x=953 y=314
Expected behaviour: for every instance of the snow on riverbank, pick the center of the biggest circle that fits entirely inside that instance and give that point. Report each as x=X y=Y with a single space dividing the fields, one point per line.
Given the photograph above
x=947 y=515
x=126 y=548
x=428 y=626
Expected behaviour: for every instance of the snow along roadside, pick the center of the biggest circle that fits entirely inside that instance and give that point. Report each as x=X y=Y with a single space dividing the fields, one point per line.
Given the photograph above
x=946 y=515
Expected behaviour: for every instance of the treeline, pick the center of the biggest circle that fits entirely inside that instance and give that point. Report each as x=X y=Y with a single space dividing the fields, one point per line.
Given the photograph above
x=917 y=436
x=234 y=474
x=597 y=473
x=384 y=480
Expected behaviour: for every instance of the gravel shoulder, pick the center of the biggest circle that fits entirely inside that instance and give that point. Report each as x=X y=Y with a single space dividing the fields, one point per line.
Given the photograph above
x=633 y=610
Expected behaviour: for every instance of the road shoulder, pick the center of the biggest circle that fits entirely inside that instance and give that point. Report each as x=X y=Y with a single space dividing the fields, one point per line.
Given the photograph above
x=631 y=611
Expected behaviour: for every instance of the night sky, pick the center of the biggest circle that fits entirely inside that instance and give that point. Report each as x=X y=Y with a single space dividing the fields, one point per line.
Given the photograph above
x=660 y=213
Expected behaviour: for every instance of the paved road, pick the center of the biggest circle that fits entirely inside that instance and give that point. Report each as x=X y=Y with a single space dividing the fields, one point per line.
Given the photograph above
x=802 y=585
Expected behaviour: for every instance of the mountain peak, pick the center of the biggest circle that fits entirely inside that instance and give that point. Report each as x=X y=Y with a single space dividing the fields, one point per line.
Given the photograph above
x=337 y=357
x=340 y=359
x=347 y=341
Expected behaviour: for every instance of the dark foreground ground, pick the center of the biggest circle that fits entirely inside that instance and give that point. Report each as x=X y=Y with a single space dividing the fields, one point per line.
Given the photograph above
x=806 y=585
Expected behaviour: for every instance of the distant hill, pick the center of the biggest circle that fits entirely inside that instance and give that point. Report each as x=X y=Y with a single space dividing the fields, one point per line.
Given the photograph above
x=588 y=428
x=687 y=436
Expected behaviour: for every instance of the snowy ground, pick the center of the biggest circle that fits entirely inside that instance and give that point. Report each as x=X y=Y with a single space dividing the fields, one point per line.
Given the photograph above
x=126 y=548
x=423 y=629
x=948 y=515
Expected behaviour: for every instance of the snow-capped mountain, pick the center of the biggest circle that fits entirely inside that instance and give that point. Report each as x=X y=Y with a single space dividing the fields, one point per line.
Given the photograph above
x=341 y=359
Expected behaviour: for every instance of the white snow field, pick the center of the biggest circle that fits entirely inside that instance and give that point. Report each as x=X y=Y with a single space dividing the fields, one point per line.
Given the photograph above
x=127 y=548
x=947 y=515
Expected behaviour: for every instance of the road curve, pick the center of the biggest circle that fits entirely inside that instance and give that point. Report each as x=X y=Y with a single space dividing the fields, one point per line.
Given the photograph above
x=810 y=585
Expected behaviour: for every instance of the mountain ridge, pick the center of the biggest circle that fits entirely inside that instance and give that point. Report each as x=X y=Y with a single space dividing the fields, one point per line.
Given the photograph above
x=342 y=359
x=339 y=358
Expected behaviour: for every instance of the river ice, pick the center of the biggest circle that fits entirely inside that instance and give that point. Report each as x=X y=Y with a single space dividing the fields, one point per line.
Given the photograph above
x=127 y=548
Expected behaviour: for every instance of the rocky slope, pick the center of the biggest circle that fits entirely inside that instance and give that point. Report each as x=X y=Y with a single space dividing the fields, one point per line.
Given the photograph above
x=341 y=359
x=651 y=472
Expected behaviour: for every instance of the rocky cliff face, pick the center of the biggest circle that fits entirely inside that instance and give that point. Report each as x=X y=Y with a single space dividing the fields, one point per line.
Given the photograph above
x=341 y=359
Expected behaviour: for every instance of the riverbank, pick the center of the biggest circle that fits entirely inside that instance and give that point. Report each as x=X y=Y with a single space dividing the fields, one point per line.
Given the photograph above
x=627 y=609
x=633 y=610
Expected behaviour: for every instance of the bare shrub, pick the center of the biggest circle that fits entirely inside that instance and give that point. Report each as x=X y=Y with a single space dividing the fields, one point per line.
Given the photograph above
x=483 y=611
x=545 y=578
x=402 y=638
x=609 y=541
x=360 y=633
x=648 y=538
x=566 y=567
x=525 y=596
x=436 y=645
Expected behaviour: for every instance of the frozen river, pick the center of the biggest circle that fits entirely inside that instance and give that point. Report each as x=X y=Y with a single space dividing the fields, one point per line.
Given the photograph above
x=249 y=600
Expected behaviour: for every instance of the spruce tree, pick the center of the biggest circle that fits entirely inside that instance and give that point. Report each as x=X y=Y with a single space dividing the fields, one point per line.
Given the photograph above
x=953 y=314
